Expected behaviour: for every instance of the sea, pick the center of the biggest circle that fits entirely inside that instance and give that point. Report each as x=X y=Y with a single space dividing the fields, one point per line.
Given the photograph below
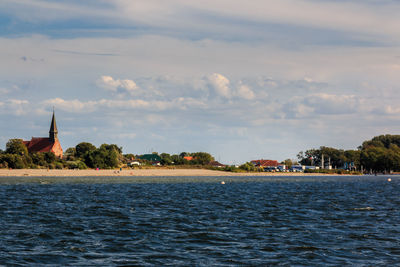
x=200 y=221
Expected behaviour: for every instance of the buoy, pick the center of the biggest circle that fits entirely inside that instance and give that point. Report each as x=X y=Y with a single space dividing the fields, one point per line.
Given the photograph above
x=389 y=179
x=222 y=182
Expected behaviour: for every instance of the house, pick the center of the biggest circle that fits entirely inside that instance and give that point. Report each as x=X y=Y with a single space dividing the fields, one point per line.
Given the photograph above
x=216 y=164
x=265 y=163
x=150 y=157
x=46 y=144
x=188 y=158
x=134 y=163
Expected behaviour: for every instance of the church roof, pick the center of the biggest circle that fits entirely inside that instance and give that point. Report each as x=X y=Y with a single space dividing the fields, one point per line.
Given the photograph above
x=39 y=144
x=53 y=125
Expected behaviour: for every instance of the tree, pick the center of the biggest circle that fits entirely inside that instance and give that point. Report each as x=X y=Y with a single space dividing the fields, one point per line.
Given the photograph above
x=111 y=147
x=17 y=147
x=247 y=167
x=13 y=161
x=184 y=154
x=289 y=163
x=166 y=159
x=310 y=157
x=49 y=157
x=70 y=153
x=38 y=159
x=353 y=156
x=381 y=153
x=83 y=148
x=201 y=158
x=178 y=160
x=373 y=158
x=105 y=157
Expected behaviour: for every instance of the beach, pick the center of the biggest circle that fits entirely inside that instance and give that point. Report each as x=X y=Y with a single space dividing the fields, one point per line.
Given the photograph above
x=139 y=172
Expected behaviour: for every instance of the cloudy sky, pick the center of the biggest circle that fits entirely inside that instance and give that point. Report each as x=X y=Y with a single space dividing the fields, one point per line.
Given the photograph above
x=240 y=79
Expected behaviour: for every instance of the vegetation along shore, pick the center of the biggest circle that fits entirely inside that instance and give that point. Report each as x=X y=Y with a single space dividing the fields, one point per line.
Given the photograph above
x=380 y=154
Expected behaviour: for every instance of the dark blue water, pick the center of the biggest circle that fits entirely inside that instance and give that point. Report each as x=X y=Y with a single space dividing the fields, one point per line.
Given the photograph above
x=273 y=221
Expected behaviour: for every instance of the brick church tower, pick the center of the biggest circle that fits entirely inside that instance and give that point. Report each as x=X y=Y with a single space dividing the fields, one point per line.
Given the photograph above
x=46 y=144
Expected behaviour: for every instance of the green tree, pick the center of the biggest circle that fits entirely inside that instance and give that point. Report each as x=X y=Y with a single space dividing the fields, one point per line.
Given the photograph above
x=38 y=159
x=70 y=153
x=111 y=147
x=105 y=157
x=381 y=153
x=49 y=157
x=289 y=163
x=373 y=158
x=248 y=167
x=13 y=161
x=201 y=158
x=166 y=159
x=311 y=157
x=178 y=160
x=16 y=146
x=83 y=148
x=184 y=154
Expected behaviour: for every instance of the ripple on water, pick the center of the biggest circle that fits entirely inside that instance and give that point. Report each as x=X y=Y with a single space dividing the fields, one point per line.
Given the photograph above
x=265 y=221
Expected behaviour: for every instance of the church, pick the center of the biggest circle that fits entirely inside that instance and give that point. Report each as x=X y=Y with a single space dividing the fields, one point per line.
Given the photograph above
x=46 y=144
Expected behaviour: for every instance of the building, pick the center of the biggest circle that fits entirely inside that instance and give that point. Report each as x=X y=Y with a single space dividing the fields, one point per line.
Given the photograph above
x=152 y=158
x=264 y=163
x=216 y=164
x=46 y=144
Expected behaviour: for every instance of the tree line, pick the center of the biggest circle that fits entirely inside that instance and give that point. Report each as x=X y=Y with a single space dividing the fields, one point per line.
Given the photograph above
x=83 y=156
x=380 y=154
x=86 y=155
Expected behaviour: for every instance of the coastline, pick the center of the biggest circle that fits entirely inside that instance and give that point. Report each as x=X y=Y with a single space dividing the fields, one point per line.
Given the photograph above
x=140 y=172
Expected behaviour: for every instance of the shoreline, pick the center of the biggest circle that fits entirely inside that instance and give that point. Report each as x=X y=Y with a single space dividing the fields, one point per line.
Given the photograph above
x=141 y=173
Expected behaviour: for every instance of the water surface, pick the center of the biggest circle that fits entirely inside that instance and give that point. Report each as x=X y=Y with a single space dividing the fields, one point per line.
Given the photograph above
x=120 y=221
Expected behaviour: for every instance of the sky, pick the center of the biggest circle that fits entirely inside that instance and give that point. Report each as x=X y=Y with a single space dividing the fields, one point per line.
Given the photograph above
x=239 y=79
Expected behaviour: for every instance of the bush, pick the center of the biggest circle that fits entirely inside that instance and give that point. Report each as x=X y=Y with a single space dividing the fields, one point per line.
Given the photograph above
x=248 y=167
x=13 y=161
x=59 y=166
x=76 y=165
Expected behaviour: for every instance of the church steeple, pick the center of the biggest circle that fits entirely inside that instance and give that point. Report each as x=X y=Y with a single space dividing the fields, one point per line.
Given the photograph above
x=53 y=129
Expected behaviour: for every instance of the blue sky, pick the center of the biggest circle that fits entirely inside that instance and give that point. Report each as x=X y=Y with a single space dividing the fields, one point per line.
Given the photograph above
x=241 y=80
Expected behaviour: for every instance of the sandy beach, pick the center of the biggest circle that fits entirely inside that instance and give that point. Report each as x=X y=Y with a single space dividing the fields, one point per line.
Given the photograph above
x=136 y=172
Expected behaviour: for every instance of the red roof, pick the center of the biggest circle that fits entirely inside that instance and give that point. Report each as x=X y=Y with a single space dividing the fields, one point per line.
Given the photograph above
x=189 y=158
x=39 y=144
x=265 y=163
x=216 y=164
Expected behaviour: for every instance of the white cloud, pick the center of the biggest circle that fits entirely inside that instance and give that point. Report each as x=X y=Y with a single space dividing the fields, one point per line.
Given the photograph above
x=390 y=110
x=75 y=105
x=333 y=104
x=245 y=92
x=117 y=85
x=308 y=79
x=15 y=107
x=365 y=17
x=323 y=104
x=18 y=102
x=336 y=15
x=220 y=84
x=4 y=91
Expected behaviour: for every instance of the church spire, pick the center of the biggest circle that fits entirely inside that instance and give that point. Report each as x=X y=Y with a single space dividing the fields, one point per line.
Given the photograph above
x=53 y=129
